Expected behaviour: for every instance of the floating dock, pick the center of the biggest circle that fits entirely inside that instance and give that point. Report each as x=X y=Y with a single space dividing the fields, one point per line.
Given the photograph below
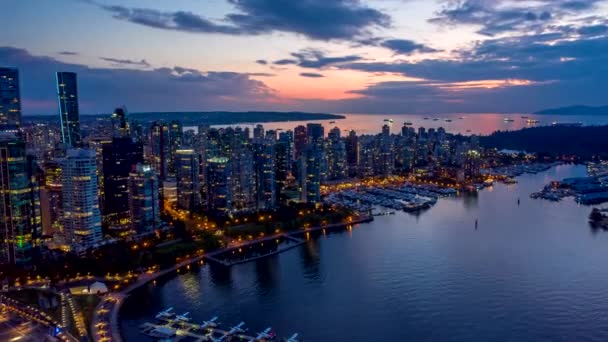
x=171 y=327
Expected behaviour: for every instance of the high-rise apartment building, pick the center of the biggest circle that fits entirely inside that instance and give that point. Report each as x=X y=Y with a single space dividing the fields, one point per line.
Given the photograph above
x=144 y=204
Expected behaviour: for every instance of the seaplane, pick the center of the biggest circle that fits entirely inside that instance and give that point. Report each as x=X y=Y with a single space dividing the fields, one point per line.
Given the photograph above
x=183 y=318
x=265 y=335
x=166 y=314
x=237 y=329
x=293 y=338
x=212 y=323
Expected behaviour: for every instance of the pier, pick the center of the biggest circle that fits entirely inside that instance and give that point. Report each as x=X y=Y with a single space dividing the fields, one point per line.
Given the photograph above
x=293 y=237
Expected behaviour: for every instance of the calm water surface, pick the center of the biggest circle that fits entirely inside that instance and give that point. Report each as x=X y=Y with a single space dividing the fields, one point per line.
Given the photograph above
x=475 y=123
x=533 y=272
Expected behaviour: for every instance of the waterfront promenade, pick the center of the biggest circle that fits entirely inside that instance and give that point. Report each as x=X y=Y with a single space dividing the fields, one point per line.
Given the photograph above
x=105 y=326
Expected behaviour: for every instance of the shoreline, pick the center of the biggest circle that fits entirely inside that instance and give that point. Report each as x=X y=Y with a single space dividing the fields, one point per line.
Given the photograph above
x=117 y=299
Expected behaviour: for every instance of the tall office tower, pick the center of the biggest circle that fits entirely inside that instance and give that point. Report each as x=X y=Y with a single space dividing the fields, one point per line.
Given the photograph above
x=441 y=134
x=51 y=198
x=283 y=161
x=19 y=202
x=81 y=214
x=69 y=115
x=265 y=174
x=120 y=125
x=300 y=139
x=176 y=136
x=352 y=153
x=144 y=203
x=242 y=181
x=271 y=135
x=315 y=133
x=218 y=184
x=312 y=160
x=188 y=189
x=119 y=157
x=258 y=133
x=159 y=149
x=336 y=156
x=10 y=100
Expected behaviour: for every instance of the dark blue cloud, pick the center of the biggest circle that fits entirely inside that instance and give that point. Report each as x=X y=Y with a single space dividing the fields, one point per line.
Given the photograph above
x=406 y=47
x=67 y=53
x=316 y=19
x=262 y=61
x=500 y=16
x=311 y=74
x=316 y=59
x=161 y=89
x=126 y=62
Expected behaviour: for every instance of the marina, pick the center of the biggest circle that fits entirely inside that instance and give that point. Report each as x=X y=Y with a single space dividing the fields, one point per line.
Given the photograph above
x=408 y=197
x=170 y=326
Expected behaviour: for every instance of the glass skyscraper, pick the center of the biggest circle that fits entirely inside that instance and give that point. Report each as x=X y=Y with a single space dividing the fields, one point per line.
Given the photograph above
x=67 y=93
x=10 y=99
x=19 y=202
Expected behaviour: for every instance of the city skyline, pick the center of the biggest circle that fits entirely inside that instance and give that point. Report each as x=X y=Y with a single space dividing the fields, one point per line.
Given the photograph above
x=347 y=56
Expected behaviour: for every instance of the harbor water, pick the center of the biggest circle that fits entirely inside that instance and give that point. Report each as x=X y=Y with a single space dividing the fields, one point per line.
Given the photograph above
x=529 y=270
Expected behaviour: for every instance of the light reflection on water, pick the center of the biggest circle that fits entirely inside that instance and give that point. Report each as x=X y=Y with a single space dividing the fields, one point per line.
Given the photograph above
x=530 y=272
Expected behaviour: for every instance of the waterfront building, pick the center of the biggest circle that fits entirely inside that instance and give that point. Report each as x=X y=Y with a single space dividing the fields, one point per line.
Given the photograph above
x=264 y=162
x=336 y=156
x=119 y=157
x=10 y=100
x=19 y=203
x=218 y=184
x=310 y=179
x=69 y=114
x=82 y=216
x=187 y=178
x=144 y=202
x=352 y=153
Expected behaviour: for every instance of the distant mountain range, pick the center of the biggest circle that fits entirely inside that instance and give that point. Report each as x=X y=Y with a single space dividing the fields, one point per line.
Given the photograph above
x=575 y=110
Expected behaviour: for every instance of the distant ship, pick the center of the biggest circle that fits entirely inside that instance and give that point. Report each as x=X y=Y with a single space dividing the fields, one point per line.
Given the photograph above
x=567 y=124
x=524 y=117
x=508 y=120
x=532 y=121
x=427 y=118
x=332 y=122
x=407 y=123
x=435 y=119
x=448 y=120
x=388 y=120
x=461 y=117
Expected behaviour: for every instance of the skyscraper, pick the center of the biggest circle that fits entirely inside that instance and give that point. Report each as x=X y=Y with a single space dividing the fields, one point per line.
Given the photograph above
x=188 y=189
x=159 y=149
x=10 y=99
x=218 y=184
x=19 y=203
x=67 y=92
x=82 y=217
x=300 y=140
x=265 y=174
x=144 y=204
x=120 y=126
x=119 y=157
x=352 y=153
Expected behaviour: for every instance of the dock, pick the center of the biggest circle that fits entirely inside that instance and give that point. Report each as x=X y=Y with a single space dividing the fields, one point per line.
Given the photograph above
x=175 y=328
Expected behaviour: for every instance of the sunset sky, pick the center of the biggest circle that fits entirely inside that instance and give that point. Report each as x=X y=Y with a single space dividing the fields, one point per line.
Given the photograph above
x=343 y=56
